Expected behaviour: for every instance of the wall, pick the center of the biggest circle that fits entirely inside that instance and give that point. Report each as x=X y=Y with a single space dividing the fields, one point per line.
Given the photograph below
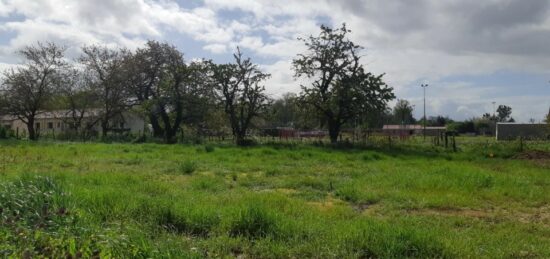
x=510 y=131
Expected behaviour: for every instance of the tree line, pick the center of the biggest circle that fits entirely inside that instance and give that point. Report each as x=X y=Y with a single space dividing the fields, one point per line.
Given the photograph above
x=156 y=81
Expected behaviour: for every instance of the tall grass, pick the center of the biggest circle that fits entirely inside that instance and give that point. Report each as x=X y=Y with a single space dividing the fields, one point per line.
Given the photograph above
x=270 y=201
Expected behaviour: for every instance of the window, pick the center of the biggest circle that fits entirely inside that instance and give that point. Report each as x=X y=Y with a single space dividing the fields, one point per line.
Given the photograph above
x=50 y=125
x=122 y=125
x=59 y=125
x=37 y=125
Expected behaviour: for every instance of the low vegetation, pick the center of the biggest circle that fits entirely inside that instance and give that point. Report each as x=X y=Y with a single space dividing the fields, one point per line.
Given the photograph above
x=273 y=200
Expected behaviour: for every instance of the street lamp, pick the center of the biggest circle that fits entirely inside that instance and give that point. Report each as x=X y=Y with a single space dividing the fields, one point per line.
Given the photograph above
x=424 y=86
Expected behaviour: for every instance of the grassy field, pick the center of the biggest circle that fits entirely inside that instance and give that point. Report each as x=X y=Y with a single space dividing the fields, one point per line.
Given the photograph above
x=271 y=201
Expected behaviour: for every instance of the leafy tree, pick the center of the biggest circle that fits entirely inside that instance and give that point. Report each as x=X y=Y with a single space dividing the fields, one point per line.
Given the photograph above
x=503 y=113
x=284 y=112
x=240 y=90
x=466 y=126
x=144 y=71
x=29 y=87
x=403 y=112
x=341 y=88
x=105 y=67
x=438 y=121
x=170 y=91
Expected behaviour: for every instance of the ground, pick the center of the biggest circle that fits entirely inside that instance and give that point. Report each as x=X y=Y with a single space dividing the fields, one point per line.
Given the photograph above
x=273 y=201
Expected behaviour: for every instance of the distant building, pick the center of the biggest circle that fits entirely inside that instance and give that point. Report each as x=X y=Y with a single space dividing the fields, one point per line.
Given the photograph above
x=408 y=130
x=54 y=122
x=510 y=131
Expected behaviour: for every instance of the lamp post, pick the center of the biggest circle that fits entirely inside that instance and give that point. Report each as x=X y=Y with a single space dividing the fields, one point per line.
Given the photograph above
x=424 y=86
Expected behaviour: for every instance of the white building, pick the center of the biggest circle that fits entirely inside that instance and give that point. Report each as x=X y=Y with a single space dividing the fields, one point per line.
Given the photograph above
x=55 y=122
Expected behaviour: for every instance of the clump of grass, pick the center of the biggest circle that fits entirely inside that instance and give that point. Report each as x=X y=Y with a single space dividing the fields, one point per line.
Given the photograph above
x=187 y=167
x=36 y=221
x=209 y=148
x=385 y=241
x=348 y=193
x=195 y=221
x=207 y=183
x=253 y=222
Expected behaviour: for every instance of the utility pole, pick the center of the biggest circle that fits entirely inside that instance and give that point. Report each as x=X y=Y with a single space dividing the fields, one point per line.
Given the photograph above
x=494 y=111
x=424 y=86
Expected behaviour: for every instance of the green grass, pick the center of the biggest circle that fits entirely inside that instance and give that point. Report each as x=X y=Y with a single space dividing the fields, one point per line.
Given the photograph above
x=272 y=201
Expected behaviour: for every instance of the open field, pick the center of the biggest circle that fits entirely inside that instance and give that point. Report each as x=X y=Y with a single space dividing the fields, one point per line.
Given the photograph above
x=272 y=201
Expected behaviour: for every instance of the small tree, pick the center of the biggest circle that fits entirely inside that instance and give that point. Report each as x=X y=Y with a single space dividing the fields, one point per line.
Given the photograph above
x=29 y=87
x=403 y=112
x=503 y=113
x=241 y=93
x=341 y=88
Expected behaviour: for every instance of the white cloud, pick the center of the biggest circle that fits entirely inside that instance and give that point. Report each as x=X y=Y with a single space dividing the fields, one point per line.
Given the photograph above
x=216 y=48
x=426 y=40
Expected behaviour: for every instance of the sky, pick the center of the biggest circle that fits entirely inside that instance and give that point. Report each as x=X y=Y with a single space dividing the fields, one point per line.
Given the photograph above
x=471 y=53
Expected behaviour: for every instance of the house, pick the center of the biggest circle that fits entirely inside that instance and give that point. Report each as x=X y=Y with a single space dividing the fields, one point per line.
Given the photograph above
x=510 y=131
x=408 y=130
x=55 y=122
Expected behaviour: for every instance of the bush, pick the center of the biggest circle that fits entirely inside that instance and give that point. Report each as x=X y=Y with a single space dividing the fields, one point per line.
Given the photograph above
x=209 y=148
x=3 y=133
x=187 y=167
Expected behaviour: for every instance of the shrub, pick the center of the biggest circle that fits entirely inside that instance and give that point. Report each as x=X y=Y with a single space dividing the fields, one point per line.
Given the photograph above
x=209 y=148
x=187 y=167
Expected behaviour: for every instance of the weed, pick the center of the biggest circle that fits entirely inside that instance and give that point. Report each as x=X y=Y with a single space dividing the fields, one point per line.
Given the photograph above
x=187 y=167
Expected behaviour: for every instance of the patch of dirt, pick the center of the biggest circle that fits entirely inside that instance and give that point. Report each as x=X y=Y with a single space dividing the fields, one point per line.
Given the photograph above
x=362 y=207
x=533 y=155
x=538 y=215
x=452 y=212
x=326 y=204
x=537 y=157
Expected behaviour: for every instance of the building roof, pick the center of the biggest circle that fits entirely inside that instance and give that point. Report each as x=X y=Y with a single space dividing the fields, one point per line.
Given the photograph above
x=514 y=123
x=410 y=127
x=59 y=114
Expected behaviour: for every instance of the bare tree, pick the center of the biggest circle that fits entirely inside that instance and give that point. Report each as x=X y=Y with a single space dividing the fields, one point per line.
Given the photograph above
x=79 y=100
x=105 y=66
x=29 y=87
x=241 y=93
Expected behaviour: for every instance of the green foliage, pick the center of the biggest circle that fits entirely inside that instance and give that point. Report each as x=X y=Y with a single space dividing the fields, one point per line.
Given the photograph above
x=37 y=220
x=209 y=148
x=340 y=86
x=187 y=167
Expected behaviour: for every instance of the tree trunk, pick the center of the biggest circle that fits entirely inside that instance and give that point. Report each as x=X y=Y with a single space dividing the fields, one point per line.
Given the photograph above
x=104 y=128
x=158 y=132
x=170 y=136
x=31 y=130
x=239 y=139
x=333 y=131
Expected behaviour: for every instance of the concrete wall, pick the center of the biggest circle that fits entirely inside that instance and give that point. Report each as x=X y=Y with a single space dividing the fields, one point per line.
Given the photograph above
x=510 y=131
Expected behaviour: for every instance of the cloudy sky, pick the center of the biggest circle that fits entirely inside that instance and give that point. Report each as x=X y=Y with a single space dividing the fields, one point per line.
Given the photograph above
x=470 y=52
